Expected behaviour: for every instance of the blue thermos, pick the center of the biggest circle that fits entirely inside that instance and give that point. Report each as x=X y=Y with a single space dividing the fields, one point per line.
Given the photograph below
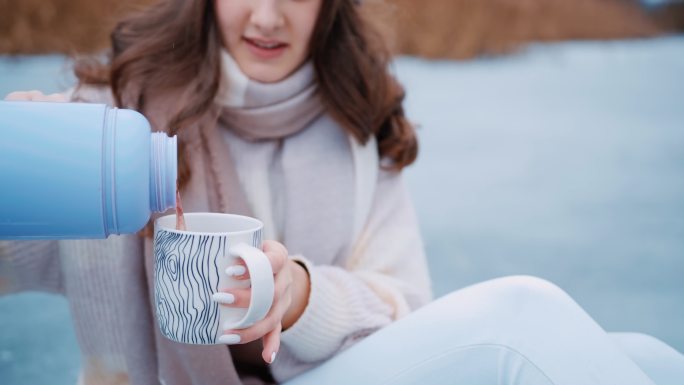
x=78 y=170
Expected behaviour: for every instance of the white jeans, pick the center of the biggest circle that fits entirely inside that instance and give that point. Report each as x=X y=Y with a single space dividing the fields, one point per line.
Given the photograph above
x=512 y=330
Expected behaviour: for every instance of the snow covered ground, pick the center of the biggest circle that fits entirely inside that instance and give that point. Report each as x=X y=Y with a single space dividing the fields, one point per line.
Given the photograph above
x=565 y=161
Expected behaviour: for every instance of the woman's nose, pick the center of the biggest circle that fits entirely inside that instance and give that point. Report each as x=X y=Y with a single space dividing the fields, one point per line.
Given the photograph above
x=267 y=15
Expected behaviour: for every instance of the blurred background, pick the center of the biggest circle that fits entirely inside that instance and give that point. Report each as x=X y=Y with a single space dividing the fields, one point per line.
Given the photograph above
x=552 y=144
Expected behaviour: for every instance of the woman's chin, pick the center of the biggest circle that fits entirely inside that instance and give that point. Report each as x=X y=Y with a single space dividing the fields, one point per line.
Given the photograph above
x=267 y=75
x=267 y=72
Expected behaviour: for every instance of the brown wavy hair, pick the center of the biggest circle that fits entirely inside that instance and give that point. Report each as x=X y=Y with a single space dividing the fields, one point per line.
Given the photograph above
x=173 y=46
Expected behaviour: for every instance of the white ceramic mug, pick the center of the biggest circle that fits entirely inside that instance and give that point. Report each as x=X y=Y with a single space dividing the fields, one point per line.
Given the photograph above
x=189 y=266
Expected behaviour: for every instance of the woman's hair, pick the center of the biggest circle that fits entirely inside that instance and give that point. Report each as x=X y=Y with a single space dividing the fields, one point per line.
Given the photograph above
x=174 y=46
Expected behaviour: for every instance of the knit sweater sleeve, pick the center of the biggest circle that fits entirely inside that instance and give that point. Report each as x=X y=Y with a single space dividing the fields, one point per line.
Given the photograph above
x=384 y=278
x=30 y=265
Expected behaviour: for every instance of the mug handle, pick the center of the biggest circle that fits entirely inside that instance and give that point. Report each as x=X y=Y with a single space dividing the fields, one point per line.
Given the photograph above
x=261 y=277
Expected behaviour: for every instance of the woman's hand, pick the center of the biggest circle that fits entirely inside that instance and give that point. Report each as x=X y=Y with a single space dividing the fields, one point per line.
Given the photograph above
x=290 y=300
x=35 y=96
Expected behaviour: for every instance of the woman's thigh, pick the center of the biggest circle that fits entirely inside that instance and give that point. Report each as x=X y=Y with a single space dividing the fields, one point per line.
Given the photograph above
x=512 y=330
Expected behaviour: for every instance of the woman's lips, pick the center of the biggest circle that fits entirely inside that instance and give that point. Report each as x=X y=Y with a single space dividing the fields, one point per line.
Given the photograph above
x=265 y=49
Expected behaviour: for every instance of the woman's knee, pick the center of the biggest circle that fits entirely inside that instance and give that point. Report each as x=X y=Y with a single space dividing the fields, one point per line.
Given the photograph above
x=527 y=288
x=517 y=312
x=523 y=299
x=512 y=292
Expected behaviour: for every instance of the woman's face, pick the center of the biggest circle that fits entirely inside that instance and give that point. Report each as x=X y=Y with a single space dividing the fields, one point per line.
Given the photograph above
x=269 y=39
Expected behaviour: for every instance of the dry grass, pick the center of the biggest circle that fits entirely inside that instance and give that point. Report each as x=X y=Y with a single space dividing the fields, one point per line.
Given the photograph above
x=68 y=26
x=431 y=28
x=467 y=28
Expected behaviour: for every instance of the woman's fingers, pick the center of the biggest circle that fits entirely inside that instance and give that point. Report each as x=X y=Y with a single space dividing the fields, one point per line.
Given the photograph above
x=233 y=297
x=270 y=327
x=238 y=270
x=276 y=253
x=35 y=96
x=271 y=344
x=272 y=320
x=259 y=329
x=19 y=95
x=56 y=98
x=241 y=297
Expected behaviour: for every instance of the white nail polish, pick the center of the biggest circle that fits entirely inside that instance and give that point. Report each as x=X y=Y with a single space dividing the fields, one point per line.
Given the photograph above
x=225 y=298
x=236 y=270
x=229 y=339
x=273 y=356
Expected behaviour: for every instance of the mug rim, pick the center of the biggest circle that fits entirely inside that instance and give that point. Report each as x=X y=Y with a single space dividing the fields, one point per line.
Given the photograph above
x=258 y=224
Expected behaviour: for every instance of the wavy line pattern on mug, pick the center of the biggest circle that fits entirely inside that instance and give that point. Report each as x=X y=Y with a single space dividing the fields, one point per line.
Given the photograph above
x=185 y=311
x=256 y=239
x=182 y=293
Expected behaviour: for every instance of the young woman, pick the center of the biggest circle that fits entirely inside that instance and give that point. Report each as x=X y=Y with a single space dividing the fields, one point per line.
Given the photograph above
x=286 y=111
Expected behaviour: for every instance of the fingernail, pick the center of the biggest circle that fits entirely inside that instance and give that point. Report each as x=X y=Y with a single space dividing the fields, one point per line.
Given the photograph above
x=273 y=356
x=236 y=270
x=225 y=298
x=229 y=339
